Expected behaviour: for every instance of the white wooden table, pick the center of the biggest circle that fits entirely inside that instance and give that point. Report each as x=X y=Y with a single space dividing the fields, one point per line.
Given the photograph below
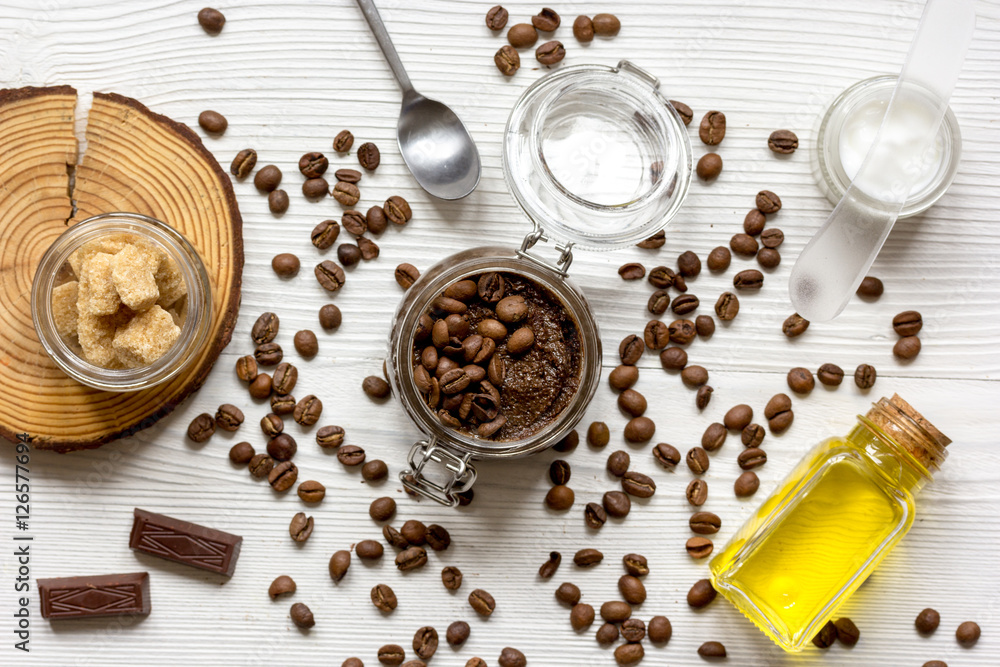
x=289 y=75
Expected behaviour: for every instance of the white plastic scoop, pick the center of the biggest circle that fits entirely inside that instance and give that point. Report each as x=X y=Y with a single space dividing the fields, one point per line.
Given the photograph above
x=833 y=263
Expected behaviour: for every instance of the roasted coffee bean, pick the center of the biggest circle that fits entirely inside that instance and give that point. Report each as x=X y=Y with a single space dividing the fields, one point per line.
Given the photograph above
x=927 y=621
x=330 y=437
x=704 y=325
x=715 y=435
x=546 y=20
x=378 y=389
x=743 y=244
x=688 y=264
x=659 y=630
x=630 y=349
x=639 y=430
x=343 y=141
x=633 y=631
x=201 y=428
x=511 y=657
x=368 y=156
x=826 y=636
x=451 y=577
x=636 y=565
x=301 y=616
x=382 y=509
x=712 y=650
x=243 y=163
x=719 y=259
x=213 y=122
x=482 y=602
x=772 y=238
x=369 y=249
x=738 y=417
x=697 y=492
x=308 y=410
x=751 y=458
x=638 y=485
x=632 y=271
x=305 y=343
x=391 y=654
x=282 y=447
x=870 y=287
x=507 y=60
x=384 y=598
x=778 y=412
x=847 y=632
x=261 y=465
x=865 y=376
x=727 y=306
x=753 y=223
x=587 y=557
x=658 y=302
x=277 y=201
x=348 y=175
x=340 y=561
x=211 y=20
x=704 y=523
x=347 y=194
x=907 y=323
x=415 y=532
x=283 y=476
x=768 y=202
x=285 y=265
x=330 y=276
x=283 y=404
x=438 y=538
x=560 y=498
x=496 y=18
x=683 y=110
x=549 y=567
x=709 y=166
x=397 y=210
x=794 y=325
x=411 y=558
x=351 y=455
x=568 y=593
x=783 y=141
x=694 y=376
x=935 y=663
x=616 y=504
x=746 y=484
x=313 y=165
x=967 y=633
x=512 y=309
x=325 y=234
x=228 y=417
x=830 y=374
x=282 y=585
x=606 y=25
x=246 y=369
x=354 y=222
x=396 y=539
x=522 y=35
x=267 y=178
x=623 y=377
x=682 y=332
x=657 y=240
x=272 y=425
x=607 y=634
x=301 y=527
x=265 y=329
x=374 y=471
x=661 y=277
x=673 y=358
x=594 y=515
x=800 y=380
x=713 y=128
x=629 y=654
x=241 y=453
x=768 y=258
x=656 y=335
x=666 y=455
x=684 y=304
x=559 y=472
x=583 y=29
x=425 y=642
x=616 y=611
x=632 y=403
x=521 y=341
x=748 y=279
x=699 y=547
x=752 y=435
x=701 y=594
x=618 y=463
x=311 y=491
x=369 y=550
x=632 y=589
x=697 y=460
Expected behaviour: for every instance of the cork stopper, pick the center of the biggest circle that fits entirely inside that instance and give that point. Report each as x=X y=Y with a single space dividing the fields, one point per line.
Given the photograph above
x=911 y=430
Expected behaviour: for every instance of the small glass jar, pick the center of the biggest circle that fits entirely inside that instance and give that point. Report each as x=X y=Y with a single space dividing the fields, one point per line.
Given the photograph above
x=830 y=523
x=54 y=270
x=848 y=128
x=597 y=157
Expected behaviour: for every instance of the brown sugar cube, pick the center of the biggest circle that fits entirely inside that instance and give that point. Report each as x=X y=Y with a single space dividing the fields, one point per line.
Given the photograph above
x=170 y=282
x=102 y=297
x=96 y=333
x=110 y=244
x=64 y=310
x=133 y=274
x=146 y=337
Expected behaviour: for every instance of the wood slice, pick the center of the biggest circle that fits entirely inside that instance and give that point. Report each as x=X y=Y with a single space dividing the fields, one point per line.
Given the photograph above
x=136 y=161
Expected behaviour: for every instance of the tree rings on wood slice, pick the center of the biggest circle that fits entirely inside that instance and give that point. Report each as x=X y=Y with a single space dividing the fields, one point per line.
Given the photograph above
x=135 y=161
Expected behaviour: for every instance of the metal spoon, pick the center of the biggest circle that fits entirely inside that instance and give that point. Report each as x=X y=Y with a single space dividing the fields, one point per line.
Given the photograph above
x=435 y=145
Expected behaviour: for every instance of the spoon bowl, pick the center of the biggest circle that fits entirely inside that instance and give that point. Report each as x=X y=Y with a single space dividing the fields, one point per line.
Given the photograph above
x=437 y=148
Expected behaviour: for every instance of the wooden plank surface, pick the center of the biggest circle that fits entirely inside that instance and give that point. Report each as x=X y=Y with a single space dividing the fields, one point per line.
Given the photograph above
x=289 y=76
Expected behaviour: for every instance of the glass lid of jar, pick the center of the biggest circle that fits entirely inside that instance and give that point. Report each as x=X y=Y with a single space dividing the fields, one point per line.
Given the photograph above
x=596 y=156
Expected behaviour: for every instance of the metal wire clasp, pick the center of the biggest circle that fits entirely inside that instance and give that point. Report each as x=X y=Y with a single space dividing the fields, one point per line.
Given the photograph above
x=459 y=475
x=565 y=252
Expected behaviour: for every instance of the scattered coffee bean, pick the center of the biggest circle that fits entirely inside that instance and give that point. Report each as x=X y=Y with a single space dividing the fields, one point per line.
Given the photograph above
x=768 y=258
x=267 y=179
x=684 y=304
x=481 y=601
x=752 y=457
x=507 y=60
x=511 y=657
x=794 y=325
x=661 y=277
x=697 y=491
x=658 y=302
x=277 y=201
x=438 y=538
x=638 y=485
x=623 y=377
x=778 y=413
x=616 y=611
x=616 y=504
x=368 y=156
x=549 y=567
x=587 y=557
x=697 y=460
x=927 y=621
x=701 y=594
x=211 y=20
x=666 y=455
x=830 y=374
x=568 y=593
x=302 y=616
x=657 y=240
x=629 y=654
x=265 y=328
x=349 y=254
x=340 y=561
x=583 y=29
x=688 y=264
x=343 y=141
x=546 y=20
x=714 y=436
x=606 y=25
x=907 y=347
x=748 y=279
x=374 y=471
x=826 y=636
x=673 y=358
x=967 y=633
x=457 y=633
x=522 y=35
x=639 y=430
x=694 y=376
x=261 y=465
x=632 y=403
x=598 y=434
x=699 y=547
x=228 y=417
x=618 y=463
x=311 y=491
x=865 y=376
x=656 y=335
x=630 y=349
x=594 y=516
x=559 y=472
x=282 y=585
x=285 y=265
x=703 y=396
x=330 y=437
x=347 y=194
x=415 y=532
x=870 y=287
x=772 y=238
x=376 y=219
x=847 y=632
x=607 y=634
x=246 y=369
x=738 y=417
x=382 y=509
x=783 y=141
x=496 y=18
x=907 y=323
x=801 y=380
x=768 y=202
x=308 y=410
x=632 y=589
x=351 y=455
x=354 y=223
x=935 y=663
x=369 y=249
x=704 y=523
x=325 y=234
x=753 y=223
x=376 y=388
x=712 y=650
x=713 y=128
x=301 y=527
x=213 y=122
x=425 y=642
x=330 y=276
x=384 y=598
x=241 y=453
x=743 y=244
x=632 y=271
x=752 y=435
x=682 y=332
x=282 y=447
x=201 y=428
x=709 y=166
x=243 y=163
x=704 y=325
x=412 y=558
x=283 y=404
x=391 y=654
x=727 y=306
x=636 y=565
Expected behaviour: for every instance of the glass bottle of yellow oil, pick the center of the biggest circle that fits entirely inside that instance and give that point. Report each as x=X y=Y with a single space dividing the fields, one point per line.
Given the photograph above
x=830 y=523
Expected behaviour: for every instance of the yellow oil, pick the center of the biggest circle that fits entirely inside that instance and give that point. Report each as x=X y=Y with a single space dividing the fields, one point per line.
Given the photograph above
x=817 y=538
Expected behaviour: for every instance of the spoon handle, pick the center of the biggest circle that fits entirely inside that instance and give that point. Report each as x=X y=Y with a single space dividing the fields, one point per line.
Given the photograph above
x=370 y=11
